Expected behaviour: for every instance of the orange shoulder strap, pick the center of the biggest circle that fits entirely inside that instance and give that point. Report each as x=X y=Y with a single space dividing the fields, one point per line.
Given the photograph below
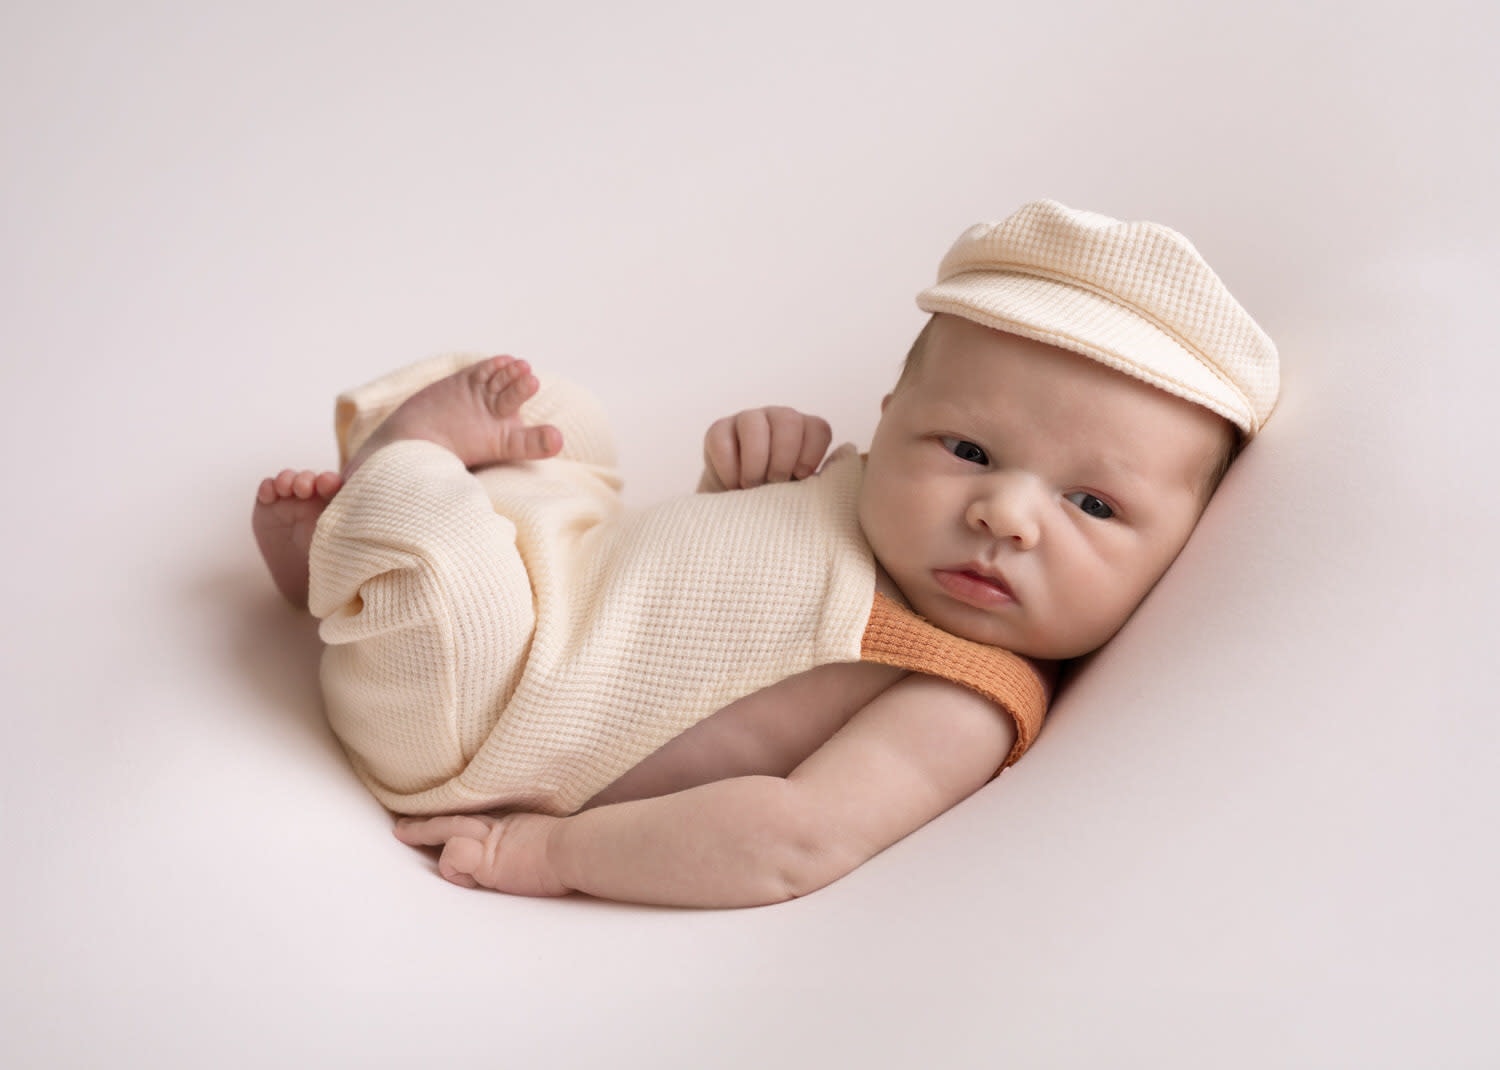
x=1022 y=687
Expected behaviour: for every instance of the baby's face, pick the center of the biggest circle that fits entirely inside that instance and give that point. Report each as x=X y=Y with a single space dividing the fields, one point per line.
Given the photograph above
x=1027 y=497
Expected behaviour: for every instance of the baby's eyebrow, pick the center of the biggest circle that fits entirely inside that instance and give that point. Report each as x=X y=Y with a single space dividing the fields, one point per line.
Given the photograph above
x=1111 y=466
x=1127 y=484
x=957 y=412
x=1125 y=479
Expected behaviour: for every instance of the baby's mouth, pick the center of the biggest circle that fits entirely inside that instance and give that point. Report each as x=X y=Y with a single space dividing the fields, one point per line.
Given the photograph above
x=976 y=586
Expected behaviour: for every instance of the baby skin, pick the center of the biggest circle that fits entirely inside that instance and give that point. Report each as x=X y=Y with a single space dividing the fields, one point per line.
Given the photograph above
x=1014 y=494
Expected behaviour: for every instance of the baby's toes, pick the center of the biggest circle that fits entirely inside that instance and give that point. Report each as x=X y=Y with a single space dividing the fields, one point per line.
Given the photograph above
x=266 y=494
x=283 y=482
x=327 y=484
x=304 y=484
x=509 y=386
x=532 y=443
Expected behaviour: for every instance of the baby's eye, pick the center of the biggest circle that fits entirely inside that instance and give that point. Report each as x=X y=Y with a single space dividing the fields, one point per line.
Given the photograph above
x=965 y=450
x=1095 y=507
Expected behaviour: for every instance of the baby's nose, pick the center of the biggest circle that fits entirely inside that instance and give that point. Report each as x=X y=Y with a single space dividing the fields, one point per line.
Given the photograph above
x=1008 y=510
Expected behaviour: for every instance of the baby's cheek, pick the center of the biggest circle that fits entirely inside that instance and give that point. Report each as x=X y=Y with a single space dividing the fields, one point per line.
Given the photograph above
x=1100 y=596
x=882 y=527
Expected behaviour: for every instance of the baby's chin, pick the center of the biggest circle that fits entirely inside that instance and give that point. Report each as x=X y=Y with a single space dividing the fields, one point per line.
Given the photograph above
x=1028 y=642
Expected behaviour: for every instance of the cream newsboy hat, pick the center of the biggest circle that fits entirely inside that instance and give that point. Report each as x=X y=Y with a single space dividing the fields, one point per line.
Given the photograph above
x=1134 y=296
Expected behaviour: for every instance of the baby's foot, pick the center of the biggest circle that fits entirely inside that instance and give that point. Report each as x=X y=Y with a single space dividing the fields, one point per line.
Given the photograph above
x=287 y=508
x=475 y=413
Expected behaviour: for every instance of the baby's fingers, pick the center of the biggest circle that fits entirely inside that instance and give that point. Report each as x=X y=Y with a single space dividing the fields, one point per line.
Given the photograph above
x=463 y=839
x=785 y=443
x=798 y=442
x=721 y=453
x=769 y=445
x=752 y=431
x=461 y=860
x=817 y=436
x=436 y=831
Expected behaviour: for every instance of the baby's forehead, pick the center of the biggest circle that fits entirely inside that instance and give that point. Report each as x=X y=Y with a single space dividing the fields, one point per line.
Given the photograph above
x=1035 y=398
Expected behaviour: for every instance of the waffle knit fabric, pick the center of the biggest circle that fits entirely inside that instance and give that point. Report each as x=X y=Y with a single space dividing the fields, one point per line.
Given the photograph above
x=514 y=638
x=1135 y=296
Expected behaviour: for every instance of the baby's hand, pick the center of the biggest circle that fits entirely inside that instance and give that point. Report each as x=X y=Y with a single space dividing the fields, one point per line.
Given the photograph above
x=770 y=445
x=508 y=854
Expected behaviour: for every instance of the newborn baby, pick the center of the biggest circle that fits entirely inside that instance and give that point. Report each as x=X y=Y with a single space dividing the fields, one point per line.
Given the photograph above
x=739 y=696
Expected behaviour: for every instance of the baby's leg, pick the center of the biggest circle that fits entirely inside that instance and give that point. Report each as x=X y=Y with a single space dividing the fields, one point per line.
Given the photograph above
x=474 y=413
x=287 y=508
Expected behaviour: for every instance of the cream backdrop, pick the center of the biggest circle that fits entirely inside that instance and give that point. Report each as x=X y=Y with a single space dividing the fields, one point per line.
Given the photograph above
x=1260 y=830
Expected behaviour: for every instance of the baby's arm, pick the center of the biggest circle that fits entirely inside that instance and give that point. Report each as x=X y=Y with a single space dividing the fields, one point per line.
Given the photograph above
x=770 y=445
x=767 y=732
x=917 y=749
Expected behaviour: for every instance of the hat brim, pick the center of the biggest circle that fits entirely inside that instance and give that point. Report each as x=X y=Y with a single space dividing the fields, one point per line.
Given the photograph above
x=1090 y=324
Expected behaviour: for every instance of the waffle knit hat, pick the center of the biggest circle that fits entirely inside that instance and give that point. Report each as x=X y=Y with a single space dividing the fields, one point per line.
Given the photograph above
x=1135 y=296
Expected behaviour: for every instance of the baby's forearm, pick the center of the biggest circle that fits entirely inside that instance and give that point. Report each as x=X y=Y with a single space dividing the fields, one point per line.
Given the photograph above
x=740 y=842
x=916 y=749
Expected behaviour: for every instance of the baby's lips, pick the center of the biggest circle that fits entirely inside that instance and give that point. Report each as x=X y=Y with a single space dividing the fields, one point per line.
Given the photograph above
x=976 y=585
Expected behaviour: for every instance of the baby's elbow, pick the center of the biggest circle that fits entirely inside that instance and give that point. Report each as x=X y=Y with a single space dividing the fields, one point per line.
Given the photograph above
x=809 y=854
x=805 y=871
